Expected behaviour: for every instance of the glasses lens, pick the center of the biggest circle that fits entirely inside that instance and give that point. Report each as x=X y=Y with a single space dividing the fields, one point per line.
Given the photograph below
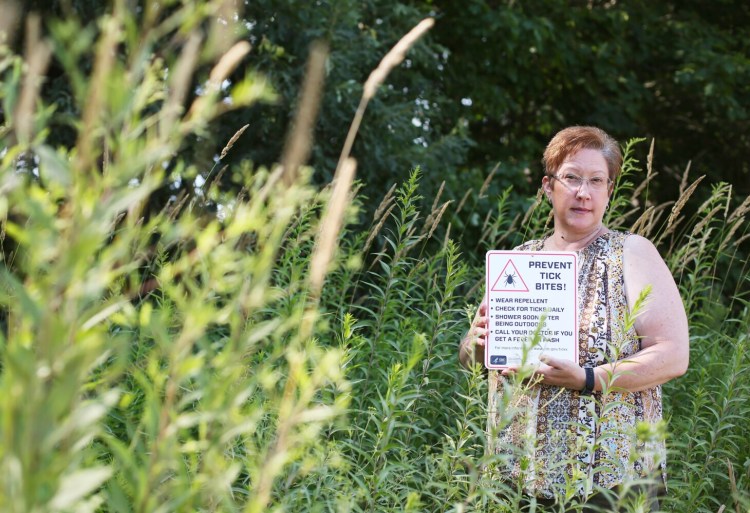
x=572 y=181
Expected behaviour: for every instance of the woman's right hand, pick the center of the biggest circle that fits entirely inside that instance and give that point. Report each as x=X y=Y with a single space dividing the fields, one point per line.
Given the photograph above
x=471 y=349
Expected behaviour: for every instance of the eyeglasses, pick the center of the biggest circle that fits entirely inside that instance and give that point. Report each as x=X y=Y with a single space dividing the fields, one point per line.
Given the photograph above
x=574 y=182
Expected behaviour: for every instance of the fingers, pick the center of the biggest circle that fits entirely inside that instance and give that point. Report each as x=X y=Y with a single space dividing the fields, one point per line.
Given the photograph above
x=562 y=373
x=480 y=334
x=543 y=371
x=552 y=371
x=477 y=334
x=481 y=314
x=510 y=370
x=478 y=330
x=550 y=361
x=473 y=344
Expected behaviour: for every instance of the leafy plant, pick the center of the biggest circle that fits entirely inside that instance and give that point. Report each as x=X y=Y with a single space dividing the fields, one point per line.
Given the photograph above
x=259 y=350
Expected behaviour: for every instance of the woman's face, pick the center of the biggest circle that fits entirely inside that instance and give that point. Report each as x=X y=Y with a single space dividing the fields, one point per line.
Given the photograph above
x=579 y=209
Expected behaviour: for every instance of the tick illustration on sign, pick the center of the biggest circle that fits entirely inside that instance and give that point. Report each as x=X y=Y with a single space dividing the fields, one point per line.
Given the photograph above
x=509 y=279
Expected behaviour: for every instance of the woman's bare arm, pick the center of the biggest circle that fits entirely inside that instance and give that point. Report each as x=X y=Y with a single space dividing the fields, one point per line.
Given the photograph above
x=661 y=325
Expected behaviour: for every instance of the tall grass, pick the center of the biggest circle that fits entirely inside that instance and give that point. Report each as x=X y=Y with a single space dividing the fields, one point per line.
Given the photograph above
x=263 y=351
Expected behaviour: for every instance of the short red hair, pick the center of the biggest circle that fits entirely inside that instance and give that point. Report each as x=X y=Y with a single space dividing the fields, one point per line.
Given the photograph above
x=573 y=139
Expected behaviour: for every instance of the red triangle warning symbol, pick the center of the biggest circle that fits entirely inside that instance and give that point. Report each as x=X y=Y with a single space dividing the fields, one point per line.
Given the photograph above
x=510 y=280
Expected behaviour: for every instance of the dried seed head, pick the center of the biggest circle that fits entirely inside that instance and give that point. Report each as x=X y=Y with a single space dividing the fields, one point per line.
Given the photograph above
x=741 y=210
x=233 y=140
x=9 y=20
x=487 y=181
x=643 y=221
x=376 y=230
x=395 y=57
x=330 y=226
x=681 y=201
x=228 y=62
x=730 y=235
x=438 y=217
x=300 y=138
x=180 y=80
x=684 y=182
x=37 y=58
x=437 y=198
x=384 y=204
x=463 y=200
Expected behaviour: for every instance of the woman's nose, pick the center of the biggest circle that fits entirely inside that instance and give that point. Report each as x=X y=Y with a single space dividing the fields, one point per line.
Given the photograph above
x=581 y=193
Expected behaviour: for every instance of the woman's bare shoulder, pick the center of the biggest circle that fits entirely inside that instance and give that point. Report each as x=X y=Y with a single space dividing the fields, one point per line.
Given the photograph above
x=643 y=265
x=635 y=240
x=639 y=247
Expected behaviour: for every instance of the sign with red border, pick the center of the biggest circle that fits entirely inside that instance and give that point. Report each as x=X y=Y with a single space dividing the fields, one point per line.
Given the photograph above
x=532 y=307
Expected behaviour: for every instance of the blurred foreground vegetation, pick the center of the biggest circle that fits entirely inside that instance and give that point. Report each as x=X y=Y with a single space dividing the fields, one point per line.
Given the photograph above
x=279 y=345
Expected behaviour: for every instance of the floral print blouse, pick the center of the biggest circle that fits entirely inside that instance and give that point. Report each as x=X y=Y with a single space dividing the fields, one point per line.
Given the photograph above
x=556 y=439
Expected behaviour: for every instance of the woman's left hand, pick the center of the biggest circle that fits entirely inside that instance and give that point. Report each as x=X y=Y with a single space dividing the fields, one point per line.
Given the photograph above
x=554 y=371
x=561 y=373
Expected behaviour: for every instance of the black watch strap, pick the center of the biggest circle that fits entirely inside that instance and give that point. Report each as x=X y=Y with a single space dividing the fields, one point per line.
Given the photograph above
x=588 y=388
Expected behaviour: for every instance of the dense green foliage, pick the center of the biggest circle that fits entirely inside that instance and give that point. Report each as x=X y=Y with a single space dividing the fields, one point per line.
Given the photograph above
x=186 y=357
x=490 y=84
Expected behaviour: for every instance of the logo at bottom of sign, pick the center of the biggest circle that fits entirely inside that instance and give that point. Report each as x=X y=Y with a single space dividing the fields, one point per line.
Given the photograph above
x=497 y=359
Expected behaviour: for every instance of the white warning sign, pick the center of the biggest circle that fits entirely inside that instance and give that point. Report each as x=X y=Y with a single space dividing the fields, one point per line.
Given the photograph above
x=532 y=307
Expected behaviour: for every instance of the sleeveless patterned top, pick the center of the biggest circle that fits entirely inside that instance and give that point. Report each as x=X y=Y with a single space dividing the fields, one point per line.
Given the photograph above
x=556 y=436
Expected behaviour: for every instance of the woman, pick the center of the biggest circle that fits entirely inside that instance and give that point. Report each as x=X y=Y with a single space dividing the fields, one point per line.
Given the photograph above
x=566 y=430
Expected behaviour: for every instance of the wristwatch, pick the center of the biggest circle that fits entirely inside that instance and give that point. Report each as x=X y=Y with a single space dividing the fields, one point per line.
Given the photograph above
x=588 y=387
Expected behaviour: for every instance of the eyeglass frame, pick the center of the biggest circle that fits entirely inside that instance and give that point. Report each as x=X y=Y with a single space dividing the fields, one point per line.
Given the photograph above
x=582 y=181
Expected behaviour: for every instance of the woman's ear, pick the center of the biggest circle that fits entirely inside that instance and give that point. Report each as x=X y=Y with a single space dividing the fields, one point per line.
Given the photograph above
x=612 y=182
x=547 y=186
